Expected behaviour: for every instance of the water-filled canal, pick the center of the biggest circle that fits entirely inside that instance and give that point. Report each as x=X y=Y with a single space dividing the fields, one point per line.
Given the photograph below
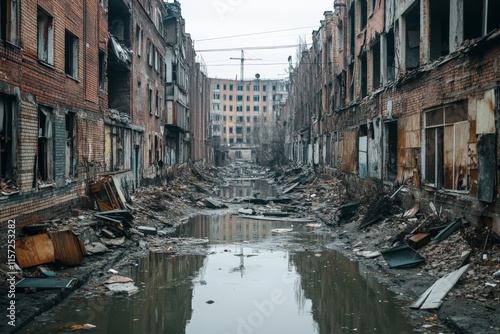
x=250 y=281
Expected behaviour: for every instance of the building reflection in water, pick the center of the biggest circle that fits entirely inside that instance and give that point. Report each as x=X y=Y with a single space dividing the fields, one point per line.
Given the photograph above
x=343 y=299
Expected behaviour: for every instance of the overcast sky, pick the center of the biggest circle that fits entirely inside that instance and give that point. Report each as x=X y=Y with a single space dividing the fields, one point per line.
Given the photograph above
x=208 y=19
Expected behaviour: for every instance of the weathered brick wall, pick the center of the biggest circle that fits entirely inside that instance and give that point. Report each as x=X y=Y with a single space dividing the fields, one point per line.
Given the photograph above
x=36 y=84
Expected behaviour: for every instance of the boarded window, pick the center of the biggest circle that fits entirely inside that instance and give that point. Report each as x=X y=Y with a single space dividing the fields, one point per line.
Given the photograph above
x=45 y=37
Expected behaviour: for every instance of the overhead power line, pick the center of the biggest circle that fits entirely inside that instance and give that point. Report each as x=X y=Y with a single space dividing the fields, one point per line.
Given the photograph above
x=252 y=48
x=252 y=34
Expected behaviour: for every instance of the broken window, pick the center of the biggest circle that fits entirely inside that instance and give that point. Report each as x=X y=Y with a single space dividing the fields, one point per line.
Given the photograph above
x=376 y=66
x=150 y=100
x=45 y=37
x=391 y=56
x=352 y=34
x=363 y=152
x=157 y=104
x=6 y=138
x=391 y=151
x=446 y=147
x=45 y=146
x=480 y=17
x=440 y=28
x=364 y=76
x=9 y=15
x=71 y=54
x=102 y=69
x=71 y=163
x=413 y=37
x=351 y=82
x=363 y=14
x=138 y=40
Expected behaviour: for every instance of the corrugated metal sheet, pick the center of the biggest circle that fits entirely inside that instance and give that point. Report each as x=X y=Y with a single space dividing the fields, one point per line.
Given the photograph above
x=68 y=249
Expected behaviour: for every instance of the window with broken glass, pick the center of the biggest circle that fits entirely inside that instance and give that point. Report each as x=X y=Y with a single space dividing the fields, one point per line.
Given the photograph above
x=7 y=142
x=9 y=18
x=45 y=24
x=446 y=147
x=45 y=165
x=71 y=54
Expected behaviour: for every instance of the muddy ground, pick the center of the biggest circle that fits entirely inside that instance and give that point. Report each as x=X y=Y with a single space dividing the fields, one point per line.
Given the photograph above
x=472 y=306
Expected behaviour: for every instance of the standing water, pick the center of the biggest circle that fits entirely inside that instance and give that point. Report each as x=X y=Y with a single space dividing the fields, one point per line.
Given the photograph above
x=251 y=280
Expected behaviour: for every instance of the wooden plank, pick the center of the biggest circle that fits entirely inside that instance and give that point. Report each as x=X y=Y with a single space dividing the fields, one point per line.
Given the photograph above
x=350 y=150
x=119 y=192
x=432 y=298
x=67 y=248
x=34 y=250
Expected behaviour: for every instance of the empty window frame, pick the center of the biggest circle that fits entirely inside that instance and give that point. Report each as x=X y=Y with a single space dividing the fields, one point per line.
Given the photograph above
x=71 y=157
x=7 y=134
x=376 y=66
x=45 y=155
x=480 y=17
x=446 y=147
x=71 y=54
x=45 y=35
x=138 y=40
x=413 y=37
x=102 y=69
x=391 y=56
x=440 y=28
x=9 y=18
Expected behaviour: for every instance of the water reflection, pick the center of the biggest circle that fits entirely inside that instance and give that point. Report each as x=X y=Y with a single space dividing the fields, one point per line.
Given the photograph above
x=230 y=228
x=247 y=188
x=343 y=299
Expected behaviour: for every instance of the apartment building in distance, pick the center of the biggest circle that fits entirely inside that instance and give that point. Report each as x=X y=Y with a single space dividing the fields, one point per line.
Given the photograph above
x=243 y=113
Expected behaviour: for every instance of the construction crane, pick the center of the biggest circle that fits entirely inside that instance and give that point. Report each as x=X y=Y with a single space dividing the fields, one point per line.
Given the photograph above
x=242 y=59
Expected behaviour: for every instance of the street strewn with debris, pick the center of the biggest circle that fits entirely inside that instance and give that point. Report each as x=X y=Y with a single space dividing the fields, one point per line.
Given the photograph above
x=412 y=248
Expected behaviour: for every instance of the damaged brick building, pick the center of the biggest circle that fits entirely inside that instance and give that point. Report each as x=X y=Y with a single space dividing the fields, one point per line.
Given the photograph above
x=83 y=94
x=404 y=91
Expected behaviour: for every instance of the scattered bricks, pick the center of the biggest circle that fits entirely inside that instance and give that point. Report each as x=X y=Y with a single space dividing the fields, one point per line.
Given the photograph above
x=76 y=212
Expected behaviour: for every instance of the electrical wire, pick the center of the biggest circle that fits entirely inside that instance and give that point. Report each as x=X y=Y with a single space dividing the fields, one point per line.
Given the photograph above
x=252 y=34
x=269 y=47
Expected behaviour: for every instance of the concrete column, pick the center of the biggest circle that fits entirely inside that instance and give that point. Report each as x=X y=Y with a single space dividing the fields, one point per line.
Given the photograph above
x=425 y=31
x=383 y=58
x=456 y=24
x=400 y=42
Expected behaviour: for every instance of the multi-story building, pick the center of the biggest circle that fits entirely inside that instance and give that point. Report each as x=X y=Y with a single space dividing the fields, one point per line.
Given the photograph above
x=85 y=92
x=52 y=93
x=395 y=92
x=244 y=111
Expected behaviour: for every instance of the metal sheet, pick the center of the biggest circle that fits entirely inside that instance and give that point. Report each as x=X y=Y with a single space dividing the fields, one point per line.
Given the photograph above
x=67 y=248
x=45 y=283
x=486 y=167
x=486 y=113
x=400 y=256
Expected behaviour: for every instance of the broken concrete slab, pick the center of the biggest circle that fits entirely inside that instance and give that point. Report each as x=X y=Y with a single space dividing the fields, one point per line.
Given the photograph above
x=96 y=248
x=212 y=203
x=433 y=297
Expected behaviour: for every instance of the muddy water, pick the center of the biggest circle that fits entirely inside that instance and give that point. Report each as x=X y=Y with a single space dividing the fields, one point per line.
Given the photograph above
x=251 y=281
